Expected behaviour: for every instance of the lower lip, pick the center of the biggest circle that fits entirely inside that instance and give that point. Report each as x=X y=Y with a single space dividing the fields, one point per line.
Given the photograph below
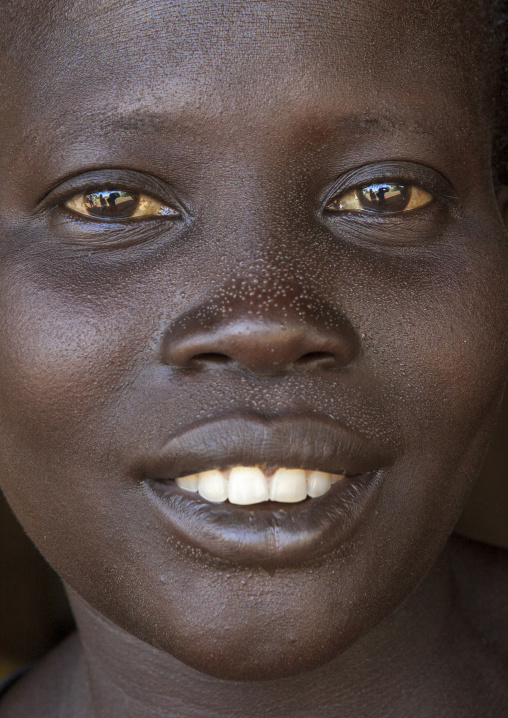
x=271 y=535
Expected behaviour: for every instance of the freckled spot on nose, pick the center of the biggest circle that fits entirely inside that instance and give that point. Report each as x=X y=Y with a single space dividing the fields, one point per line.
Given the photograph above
x=266 y=325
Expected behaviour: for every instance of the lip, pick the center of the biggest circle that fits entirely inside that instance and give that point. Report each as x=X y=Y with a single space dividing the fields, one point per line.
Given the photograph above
x=272 y=535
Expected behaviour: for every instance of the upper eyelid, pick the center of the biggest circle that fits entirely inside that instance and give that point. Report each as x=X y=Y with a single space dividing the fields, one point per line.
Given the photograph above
x=407 y=173
x=126 y=180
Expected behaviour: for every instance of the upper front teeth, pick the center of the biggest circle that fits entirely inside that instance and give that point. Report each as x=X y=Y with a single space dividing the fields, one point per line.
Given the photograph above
x=289 y=485
x=246 y=485
x=250 y=485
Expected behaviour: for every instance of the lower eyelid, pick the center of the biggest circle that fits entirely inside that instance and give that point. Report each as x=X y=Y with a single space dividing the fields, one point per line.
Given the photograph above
x=75 y=230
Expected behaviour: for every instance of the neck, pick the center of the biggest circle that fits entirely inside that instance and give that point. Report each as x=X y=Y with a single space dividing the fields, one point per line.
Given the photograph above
x=126 y=677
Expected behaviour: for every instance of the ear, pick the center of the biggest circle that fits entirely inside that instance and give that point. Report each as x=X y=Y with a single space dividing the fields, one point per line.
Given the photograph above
x=502 y=200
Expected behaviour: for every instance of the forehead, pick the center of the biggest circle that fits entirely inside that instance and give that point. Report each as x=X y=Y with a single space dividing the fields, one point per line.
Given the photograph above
x=249 y=42
x=204 y=69
x=280 y=45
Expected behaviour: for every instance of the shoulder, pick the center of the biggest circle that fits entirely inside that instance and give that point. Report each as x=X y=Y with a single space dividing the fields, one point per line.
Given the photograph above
x=38 y=693
x=481 y=576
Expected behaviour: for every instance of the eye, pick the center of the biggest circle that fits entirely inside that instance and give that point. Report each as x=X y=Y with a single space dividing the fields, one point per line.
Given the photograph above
x=118 y=204
x=381 y=198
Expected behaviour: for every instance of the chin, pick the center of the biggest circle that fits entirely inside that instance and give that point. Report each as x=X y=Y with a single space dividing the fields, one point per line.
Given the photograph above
x=259 y=658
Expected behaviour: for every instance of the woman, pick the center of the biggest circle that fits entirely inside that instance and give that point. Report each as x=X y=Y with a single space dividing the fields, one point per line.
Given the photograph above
x=254 y=295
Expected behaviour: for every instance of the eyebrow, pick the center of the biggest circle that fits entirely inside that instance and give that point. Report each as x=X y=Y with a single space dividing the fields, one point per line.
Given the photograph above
x=144 y=127
x=164 y=122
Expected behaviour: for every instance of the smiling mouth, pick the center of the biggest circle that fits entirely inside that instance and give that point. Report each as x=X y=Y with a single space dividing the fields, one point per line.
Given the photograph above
x=289 y=489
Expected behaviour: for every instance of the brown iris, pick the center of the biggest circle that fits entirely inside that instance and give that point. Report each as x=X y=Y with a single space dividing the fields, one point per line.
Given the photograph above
x=384 y=197
x=110 y=203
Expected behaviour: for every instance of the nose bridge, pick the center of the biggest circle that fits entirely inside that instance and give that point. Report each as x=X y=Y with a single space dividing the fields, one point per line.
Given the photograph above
x=265 y=319
x=262 y=324
x=258 y=191
x=262 y=218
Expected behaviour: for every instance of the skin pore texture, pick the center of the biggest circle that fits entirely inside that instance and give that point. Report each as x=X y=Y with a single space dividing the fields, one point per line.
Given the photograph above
x=126 y=343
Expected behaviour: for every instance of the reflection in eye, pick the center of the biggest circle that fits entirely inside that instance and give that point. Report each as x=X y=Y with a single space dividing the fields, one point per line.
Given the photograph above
x=381 y=198
x=118 y=204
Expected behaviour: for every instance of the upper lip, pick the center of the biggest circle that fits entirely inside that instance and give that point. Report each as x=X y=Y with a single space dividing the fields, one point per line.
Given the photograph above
x=293 y=441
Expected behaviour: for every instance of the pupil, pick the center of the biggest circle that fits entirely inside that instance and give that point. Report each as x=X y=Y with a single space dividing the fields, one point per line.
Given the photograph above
x=111 y=203
x=384 y=197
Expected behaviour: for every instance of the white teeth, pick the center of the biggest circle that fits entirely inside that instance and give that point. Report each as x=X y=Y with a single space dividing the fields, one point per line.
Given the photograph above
x=212 y=485
x=318 y=484
x=189 y=483
x=247 y=485
x=288 y=486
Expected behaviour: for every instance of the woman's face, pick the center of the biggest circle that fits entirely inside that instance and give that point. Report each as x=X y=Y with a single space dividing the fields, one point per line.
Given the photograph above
x=272 y=316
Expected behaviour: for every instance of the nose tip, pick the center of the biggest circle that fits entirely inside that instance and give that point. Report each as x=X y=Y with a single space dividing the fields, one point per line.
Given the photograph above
x=263 y=347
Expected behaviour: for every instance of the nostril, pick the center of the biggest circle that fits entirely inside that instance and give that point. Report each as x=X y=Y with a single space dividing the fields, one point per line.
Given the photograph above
x=259 y=345
x=316 y=359
x=208 y=358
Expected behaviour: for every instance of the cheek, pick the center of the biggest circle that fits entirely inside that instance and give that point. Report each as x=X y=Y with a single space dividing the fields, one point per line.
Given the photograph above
x=59 y=357
x=440 y=341
x=440 y=338
x=63 y=363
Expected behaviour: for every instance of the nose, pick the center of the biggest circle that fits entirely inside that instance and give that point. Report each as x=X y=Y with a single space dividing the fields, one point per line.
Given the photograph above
x=265 y=342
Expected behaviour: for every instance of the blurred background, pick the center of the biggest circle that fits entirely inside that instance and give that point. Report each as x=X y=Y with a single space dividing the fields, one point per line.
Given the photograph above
x=34 y=613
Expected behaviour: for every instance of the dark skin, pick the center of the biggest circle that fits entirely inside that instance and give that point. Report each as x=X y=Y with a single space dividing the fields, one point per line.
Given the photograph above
x=258 y=301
